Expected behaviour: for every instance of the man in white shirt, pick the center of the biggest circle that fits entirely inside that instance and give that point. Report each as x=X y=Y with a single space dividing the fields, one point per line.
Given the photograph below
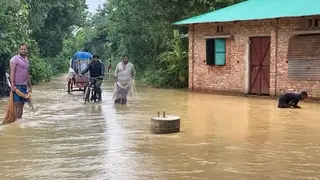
x=125 y=73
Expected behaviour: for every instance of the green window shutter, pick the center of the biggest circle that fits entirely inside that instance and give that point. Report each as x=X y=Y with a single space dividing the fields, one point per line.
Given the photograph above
x=220 y=51
x=210 y=51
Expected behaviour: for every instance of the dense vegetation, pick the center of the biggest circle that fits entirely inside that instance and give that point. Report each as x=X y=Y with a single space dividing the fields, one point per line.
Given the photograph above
x=143 y=29
x=140 y=28
x=44 y=26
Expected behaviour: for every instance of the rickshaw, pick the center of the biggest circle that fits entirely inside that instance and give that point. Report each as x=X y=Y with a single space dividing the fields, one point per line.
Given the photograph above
x=76 y=81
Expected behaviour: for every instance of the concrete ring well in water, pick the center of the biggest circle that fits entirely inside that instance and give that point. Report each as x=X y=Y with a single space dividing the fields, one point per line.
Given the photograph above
x=165 y=125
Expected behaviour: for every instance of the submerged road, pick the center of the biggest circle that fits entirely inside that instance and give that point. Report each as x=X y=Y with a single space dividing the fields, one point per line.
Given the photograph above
x=221 y=137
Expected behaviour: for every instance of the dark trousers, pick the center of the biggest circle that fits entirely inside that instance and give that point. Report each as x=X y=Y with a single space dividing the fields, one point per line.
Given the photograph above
x=98 y=90
x=282 y=104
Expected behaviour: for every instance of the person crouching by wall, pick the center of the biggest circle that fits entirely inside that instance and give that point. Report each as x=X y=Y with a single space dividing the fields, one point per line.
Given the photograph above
x=291 y=100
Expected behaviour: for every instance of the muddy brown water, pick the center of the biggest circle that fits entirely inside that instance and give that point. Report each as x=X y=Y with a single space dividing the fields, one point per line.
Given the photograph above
x=222 y=137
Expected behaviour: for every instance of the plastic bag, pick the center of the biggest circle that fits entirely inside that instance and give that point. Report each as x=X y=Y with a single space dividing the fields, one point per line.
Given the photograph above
x=132 y=91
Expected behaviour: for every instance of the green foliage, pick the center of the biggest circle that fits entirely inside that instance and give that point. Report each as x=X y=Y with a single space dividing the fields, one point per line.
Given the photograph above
x=13 y=28
x=173 y=66
x=51 y=23
x=47 y=29
x=40 y=70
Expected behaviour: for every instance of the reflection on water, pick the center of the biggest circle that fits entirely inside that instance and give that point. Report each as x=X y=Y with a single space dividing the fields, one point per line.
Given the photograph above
x=221 y=138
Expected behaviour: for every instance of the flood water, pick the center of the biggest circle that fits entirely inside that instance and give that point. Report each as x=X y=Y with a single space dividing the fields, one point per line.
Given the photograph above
x=223 y=138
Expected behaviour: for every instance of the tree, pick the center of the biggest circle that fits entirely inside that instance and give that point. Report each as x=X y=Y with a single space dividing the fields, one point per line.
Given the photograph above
x=44 y=26
x=51 y=23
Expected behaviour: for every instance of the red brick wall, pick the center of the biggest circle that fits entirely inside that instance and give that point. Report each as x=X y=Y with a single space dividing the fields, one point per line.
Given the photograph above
x=233 y=78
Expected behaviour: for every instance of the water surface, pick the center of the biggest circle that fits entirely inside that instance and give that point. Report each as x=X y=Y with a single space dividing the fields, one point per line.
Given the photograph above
x=223 y=138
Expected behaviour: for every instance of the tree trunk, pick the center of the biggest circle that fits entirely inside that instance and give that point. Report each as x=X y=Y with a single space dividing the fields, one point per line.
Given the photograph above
x=4 y=88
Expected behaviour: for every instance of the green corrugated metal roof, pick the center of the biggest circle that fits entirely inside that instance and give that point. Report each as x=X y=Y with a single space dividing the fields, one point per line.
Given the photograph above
x=258 y=9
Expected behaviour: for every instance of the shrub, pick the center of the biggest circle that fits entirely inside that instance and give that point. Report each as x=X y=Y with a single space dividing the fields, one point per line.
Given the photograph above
x=40 y=70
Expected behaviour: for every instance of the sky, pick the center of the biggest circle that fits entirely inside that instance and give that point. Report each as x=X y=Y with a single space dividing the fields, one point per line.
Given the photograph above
x=93 y=4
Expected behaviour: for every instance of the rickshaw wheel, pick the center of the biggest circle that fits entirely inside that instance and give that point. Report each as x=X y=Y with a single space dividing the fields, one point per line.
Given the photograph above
x=85 y=87
x=69 y=86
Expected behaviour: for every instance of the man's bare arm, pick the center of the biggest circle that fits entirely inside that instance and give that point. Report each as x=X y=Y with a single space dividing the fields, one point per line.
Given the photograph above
x=86 y=69
x=12 y=74
x=29 y=83
x=295 y=104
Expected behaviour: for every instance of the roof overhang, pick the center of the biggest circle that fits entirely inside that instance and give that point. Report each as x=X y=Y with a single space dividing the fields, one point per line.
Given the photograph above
x=257 y=10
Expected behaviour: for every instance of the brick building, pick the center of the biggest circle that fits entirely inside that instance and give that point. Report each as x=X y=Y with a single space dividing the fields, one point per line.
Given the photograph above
x=264 y=47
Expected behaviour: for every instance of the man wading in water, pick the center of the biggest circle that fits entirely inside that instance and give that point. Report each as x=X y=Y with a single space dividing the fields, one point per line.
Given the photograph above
x=125 y=73
x=290 y=100
x=20 y=79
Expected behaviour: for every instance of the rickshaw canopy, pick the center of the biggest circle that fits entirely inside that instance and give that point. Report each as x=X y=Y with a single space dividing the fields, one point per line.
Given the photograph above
x=80 y=60
x=80 y=55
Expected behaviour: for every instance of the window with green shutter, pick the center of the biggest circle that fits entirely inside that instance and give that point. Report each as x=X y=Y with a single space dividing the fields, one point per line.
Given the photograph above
x=216 y=52
x=220 y=52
